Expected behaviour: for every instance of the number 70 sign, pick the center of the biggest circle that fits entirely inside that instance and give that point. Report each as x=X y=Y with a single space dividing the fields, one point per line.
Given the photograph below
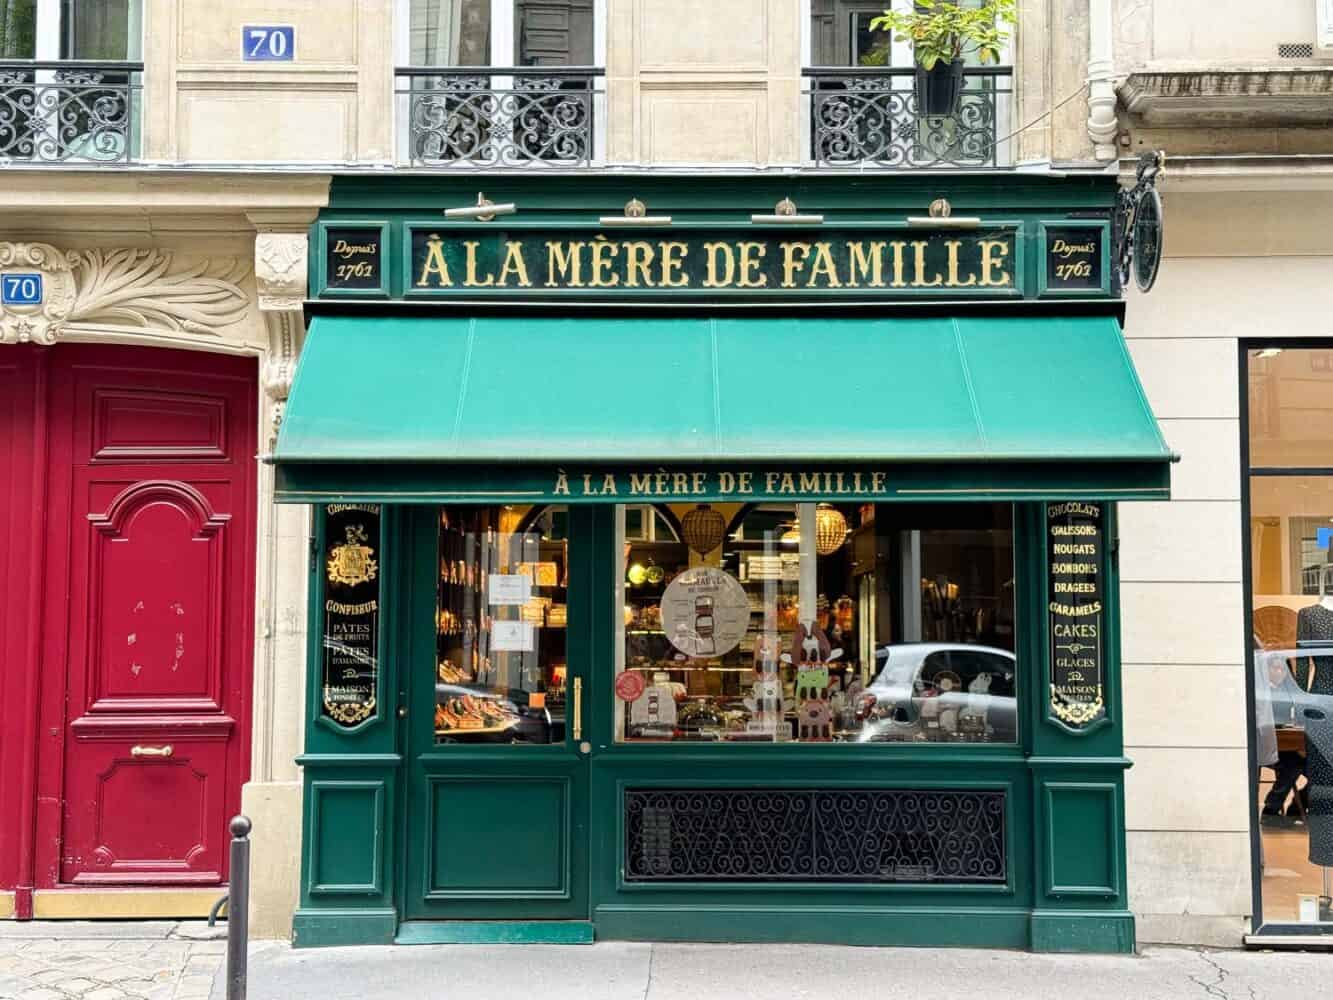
x=268 y=43
x=20 y=289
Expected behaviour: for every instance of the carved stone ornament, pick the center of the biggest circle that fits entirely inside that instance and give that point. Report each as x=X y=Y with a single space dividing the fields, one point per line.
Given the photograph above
x=134 y=290
x=280 y=270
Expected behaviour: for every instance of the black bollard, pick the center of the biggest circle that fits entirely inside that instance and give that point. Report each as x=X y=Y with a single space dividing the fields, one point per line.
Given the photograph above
x=238 y=907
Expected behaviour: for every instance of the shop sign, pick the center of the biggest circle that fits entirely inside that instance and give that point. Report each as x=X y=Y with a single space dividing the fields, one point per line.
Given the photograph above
x=350 y=665
x=354 y=258
x=705 y=612
x=1076 y=259
x=899 y=262
x=723 y=483
x=1075 y=544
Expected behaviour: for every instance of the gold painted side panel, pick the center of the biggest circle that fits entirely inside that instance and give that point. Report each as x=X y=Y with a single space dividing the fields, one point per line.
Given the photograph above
x=123 y=904
x=6 y=905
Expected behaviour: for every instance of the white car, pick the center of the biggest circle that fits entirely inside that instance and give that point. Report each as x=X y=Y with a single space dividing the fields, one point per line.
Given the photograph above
x=931 y=685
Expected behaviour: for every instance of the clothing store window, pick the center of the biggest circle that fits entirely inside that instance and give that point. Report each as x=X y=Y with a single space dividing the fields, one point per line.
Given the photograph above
x=1290 y=419
x=819 y=622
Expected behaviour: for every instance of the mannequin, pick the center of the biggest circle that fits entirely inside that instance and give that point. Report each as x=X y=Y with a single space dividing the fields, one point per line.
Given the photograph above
x=1314 y=628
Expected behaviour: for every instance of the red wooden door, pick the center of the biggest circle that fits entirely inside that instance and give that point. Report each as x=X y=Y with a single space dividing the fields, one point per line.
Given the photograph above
x=149 y=613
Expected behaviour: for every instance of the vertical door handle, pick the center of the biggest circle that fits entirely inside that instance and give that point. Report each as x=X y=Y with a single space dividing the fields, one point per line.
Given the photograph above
x=578 y=708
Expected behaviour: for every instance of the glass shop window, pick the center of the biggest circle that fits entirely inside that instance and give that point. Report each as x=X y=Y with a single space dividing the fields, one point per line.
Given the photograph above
x=817 y=622
x=500 y=625
x=1291 y=594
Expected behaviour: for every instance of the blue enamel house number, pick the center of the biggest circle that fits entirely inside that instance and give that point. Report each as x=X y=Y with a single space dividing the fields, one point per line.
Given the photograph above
x=268 y=43
x=21 y=289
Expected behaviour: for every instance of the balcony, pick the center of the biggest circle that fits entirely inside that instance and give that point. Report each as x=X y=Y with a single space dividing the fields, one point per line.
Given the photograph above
x=498 y=117
x=865 y=116
x=69 y=112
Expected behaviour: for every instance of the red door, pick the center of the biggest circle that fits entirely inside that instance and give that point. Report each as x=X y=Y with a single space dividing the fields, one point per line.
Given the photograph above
x=148 y=634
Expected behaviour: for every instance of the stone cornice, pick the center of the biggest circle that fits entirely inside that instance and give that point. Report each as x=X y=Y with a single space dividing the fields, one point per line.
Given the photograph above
x=164 y=192
x=1190 y=94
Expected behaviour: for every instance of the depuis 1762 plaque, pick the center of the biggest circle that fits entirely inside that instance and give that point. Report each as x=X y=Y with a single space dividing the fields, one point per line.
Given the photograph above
x=1075 y=543
x=350 y=668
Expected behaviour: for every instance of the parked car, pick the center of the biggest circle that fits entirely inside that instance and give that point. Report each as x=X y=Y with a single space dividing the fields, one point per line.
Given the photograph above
x=945 y=691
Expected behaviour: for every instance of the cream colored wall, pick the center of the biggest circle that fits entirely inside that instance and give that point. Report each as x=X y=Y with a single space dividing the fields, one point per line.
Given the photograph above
x=1238 y=264
x=702 y=82
x=331 y=104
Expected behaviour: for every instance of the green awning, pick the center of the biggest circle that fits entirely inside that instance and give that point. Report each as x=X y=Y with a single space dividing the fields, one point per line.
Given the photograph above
x=427 y=408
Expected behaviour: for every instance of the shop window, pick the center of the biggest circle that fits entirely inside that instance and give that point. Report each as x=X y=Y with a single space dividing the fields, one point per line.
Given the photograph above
x=1291 y=590
x=500 y=625
x=1290 y=408
x=888 y=623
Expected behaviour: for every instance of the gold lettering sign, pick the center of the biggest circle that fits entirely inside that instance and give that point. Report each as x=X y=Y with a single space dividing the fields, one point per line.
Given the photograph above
x=927 y=263
x=722 y=483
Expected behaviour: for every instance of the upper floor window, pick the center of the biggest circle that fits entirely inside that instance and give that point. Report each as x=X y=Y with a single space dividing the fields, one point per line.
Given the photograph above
x=865 y=100
x=540 y=111
x=70 y=79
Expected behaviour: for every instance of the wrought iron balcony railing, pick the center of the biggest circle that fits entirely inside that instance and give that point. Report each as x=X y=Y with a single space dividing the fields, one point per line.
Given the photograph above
x=67 y=111
x=458 y=116
x=867 y=116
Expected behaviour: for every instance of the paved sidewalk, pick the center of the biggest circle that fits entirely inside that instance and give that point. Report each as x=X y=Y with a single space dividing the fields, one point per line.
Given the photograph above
x=619 y=971
x=154 y=960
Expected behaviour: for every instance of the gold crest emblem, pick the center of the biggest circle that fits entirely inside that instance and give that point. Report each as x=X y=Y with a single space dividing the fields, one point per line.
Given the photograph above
x=352 y=562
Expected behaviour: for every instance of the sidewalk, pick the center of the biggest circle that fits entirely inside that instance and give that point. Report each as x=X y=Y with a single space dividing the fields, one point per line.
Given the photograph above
x=618 y=971
x=152 y=959
x=170 y=961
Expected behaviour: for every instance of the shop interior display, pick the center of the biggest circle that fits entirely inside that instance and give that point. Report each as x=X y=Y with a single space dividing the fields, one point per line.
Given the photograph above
x=727 y=653
x=500 y=628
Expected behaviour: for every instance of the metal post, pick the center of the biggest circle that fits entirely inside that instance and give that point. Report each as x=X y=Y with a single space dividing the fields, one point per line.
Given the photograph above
x=238 y=907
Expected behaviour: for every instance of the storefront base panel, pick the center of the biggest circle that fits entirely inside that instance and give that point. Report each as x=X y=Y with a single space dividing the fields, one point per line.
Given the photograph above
x=124 y=904
x=1083 y=931
x=914 y=927
x=495 y=932
x=336 y=928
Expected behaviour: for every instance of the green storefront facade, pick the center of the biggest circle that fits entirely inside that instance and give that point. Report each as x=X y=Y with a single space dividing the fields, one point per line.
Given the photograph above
x=691 y=573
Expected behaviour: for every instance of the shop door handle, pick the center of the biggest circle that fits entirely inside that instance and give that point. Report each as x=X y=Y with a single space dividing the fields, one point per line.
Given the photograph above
x=165 y=751
x=578 y=708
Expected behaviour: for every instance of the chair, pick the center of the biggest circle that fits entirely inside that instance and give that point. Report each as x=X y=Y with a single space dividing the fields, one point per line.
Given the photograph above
x=1275 y=627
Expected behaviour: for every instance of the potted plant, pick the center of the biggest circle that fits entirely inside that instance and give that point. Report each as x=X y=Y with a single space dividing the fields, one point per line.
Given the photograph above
x=942 y=33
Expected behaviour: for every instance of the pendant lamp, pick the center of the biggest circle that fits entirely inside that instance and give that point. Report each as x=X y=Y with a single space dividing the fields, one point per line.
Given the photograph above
x=703 y=528
x=830 y=529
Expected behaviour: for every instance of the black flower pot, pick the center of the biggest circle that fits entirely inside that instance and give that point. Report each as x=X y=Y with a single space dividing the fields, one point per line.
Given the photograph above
x=938 y=89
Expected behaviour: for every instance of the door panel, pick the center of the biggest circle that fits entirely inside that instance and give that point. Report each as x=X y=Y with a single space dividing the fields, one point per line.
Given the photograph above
x=153 y=474
x=496 y=830
x=170 y=834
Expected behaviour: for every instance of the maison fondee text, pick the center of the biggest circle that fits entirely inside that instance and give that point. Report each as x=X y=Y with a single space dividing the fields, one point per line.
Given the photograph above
x=902 y=262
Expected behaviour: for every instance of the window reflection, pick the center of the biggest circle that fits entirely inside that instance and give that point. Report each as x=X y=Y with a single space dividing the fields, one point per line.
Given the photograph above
x=908 y=636
x=1291 y=586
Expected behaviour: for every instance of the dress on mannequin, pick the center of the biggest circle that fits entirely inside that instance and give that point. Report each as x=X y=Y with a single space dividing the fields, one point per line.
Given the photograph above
x=1315 y=624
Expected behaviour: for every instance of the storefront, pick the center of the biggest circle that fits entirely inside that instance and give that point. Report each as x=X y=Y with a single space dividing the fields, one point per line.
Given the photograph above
x=716 y=570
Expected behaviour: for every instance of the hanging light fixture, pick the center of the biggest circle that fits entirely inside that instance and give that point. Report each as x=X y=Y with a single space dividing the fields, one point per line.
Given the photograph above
x=703 y=528
x=830 y=529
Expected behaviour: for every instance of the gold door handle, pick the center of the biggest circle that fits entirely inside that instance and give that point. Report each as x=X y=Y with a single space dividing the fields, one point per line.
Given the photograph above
x=165 y=751
x=578 y=708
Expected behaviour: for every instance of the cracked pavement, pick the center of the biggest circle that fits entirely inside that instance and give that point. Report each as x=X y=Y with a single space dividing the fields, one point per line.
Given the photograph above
x=148 y=960
x=159 y=960
x=629 y=971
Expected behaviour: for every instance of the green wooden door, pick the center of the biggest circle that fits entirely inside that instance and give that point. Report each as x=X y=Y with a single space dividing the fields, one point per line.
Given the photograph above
x=496 y=831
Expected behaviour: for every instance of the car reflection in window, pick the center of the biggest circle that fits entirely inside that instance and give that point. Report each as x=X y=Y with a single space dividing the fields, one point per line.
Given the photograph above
x=933 y=692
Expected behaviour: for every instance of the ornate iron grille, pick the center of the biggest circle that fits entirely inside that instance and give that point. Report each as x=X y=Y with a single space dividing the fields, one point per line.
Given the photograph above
x=867 y=116
x=60 y=112
x=500 y=117
x=814 y=835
